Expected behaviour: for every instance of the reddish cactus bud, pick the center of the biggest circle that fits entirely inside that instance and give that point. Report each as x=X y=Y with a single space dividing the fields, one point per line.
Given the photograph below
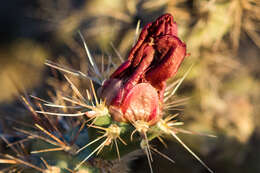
x=135 y=90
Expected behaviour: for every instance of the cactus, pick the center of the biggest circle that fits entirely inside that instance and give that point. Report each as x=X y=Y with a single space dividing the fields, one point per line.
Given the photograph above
x=99 y=129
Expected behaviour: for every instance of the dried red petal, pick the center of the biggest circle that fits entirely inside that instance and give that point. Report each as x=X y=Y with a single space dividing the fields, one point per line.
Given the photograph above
x=135 y=90
x=171 y=59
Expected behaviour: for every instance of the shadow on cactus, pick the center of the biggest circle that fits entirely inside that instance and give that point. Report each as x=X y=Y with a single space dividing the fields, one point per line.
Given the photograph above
x=118 y=115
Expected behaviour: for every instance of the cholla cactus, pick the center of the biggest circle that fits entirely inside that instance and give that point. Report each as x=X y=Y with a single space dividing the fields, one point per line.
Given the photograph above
x=124 y=112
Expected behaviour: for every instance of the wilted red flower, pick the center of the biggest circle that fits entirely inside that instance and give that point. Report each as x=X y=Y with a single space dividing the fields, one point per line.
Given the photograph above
x=135 y=90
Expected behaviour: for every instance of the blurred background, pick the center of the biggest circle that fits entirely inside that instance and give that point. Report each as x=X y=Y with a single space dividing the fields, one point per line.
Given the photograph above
x=223 y=40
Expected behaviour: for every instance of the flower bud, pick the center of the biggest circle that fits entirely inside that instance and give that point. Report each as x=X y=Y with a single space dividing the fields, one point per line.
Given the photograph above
x=135 y=90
